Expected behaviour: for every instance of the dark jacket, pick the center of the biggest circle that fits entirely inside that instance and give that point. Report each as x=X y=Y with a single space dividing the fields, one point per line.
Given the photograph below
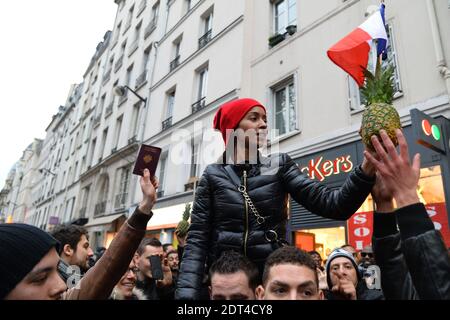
x=414 y=261
x=100 y=280
x=221 y=220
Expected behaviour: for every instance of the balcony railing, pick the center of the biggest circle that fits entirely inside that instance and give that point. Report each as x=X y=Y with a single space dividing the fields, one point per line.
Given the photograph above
x=141 y=79
x=175 y=63
x=109 y=109
x=83 y=212
x=119 y=63
x=106 y=76
x=150 y=28
x=120 y=200
x=100 y=208
x=199 y=105
x=203 y=41
x=166 y=124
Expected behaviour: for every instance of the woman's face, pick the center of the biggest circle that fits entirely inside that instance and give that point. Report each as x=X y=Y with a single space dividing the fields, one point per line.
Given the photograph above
x=254 y=125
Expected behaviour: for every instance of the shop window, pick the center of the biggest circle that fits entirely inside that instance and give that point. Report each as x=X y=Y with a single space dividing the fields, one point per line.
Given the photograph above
x=323 y=240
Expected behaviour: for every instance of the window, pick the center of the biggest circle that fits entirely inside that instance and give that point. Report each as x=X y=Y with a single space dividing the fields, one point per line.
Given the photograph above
x=187 y=4
x=84 y=202
x=63 y=181
x=128 y=76
x=206 y=30
x=284 y=115
x=285 y=14
x=162 y=171
x=356 y=99
x=102 y=104
x=91 y=153
x=167 y=123
x=135 y=120
x=137 y=34
x=145 y=61
x=194 y=159
x=102 y=146
x=118 y=129
x=123 y=187
x=202 y=83
x=155 y=12
x=176 y=53
x=170 y=104
x=75 y=172
x=129 y=18
x=100 y=207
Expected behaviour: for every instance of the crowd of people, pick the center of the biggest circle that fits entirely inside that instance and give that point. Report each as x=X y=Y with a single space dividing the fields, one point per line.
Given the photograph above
x=235 y=247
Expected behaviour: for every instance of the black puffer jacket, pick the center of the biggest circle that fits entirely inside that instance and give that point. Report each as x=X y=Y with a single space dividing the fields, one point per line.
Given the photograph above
x=220 y=221
x=414 y=261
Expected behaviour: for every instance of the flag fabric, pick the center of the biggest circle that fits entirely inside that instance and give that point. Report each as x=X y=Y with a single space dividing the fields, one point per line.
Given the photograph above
x=352 y=52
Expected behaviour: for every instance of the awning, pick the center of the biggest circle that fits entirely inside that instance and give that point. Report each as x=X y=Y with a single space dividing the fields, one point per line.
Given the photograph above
x=166 y=217
x=104 y=220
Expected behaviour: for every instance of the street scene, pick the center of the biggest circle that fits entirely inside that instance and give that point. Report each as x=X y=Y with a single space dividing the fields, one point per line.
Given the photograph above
x=239 y=150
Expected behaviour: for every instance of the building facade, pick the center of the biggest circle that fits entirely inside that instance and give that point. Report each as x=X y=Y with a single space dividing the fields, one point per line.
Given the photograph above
x=179 y=60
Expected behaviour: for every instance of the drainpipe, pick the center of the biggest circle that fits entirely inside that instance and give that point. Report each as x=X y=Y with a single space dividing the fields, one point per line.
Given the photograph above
x=440 y=58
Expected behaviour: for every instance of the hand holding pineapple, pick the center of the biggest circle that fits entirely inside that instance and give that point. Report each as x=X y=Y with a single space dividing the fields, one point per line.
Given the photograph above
x=399 y=176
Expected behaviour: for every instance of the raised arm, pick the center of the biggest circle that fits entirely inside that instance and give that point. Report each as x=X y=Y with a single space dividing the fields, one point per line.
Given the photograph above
x=338 y=204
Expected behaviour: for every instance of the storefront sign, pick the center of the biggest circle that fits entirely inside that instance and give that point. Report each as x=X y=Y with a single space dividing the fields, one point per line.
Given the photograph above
x=428 y=131
x=360 y=227
x=320 y=168
x=53 y=220
x=438 y=214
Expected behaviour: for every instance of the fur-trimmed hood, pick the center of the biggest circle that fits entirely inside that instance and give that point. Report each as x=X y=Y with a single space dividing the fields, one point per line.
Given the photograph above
x=137 y=295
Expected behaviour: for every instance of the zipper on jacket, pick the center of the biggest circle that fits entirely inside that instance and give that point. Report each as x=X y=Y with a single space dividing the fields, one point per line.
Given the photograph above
x=246 y=215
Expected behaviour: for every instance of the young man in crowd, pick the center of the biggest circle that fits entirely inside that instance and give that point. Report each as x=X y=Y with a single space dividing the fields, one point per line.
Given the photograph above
x=161 y=289
x=75 y=252
x=233 y=277
x=29 y=258
x=345 y=281
x=289 y=274
x=173 y=261
x=411 y=254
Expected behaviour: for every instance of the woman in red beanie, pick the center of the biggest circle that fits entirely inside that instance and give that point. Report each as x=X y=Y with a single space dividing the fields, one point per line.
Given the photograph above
x=241 y=202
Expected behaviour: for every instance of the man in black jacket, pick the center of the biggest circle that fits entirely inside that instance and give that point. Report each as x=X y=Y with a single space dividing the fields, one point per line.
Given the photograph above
x=414 y=261
x=344 y=280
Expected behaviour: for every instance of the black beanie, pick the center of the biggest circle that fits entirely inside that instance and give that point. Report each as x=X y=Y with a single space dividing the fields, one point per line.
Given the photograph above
x=21 y=248
x=339 y=252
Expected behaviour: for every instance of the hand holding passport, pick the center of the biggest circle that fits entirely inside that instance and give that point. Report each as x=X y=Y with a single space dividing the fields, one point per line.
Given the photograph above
x=147 y=158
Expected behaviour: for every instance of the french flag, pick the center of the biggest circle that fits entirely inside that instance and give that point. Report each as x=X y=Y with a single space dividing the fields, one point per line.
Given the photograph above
x=352 y=52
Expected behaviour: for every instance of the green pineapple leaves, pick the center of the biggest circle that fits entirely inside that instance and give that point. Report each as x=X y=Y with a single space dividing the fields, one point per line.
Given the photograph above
x=379 y=87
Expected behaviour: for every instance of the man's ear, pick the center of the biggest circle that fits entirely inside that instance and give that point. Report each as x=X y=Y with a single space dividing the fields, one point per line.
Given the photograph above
x=67 y=250
x=136 y=258
x=259 y=292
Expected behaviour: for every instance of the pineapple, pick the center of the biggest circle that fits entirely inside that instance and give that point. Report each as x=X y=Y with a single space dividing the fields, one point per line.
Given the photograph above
x=183 y=225
x=379 y=113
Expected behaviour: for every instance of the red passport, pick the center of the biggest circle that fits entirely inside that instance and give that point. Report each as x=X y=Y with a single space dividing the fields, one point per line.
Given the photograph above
x=147 y=158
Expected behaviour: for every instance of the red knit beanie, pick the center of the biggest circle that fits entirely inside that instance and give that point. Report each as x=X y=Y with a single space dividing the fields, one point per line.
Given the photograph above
x=231 y=113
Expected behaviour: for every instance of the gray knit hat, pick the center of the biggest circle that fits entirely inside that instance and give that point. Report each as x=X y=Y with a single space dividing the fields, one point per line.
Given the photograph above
x=336 y=254
x=21 y=247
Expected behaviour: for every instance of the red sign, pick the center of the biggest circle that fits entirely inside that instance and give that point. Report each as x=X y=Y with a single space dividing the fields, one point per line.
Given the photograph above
x=319 y=169
x=438 y=214
x=360 y=227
